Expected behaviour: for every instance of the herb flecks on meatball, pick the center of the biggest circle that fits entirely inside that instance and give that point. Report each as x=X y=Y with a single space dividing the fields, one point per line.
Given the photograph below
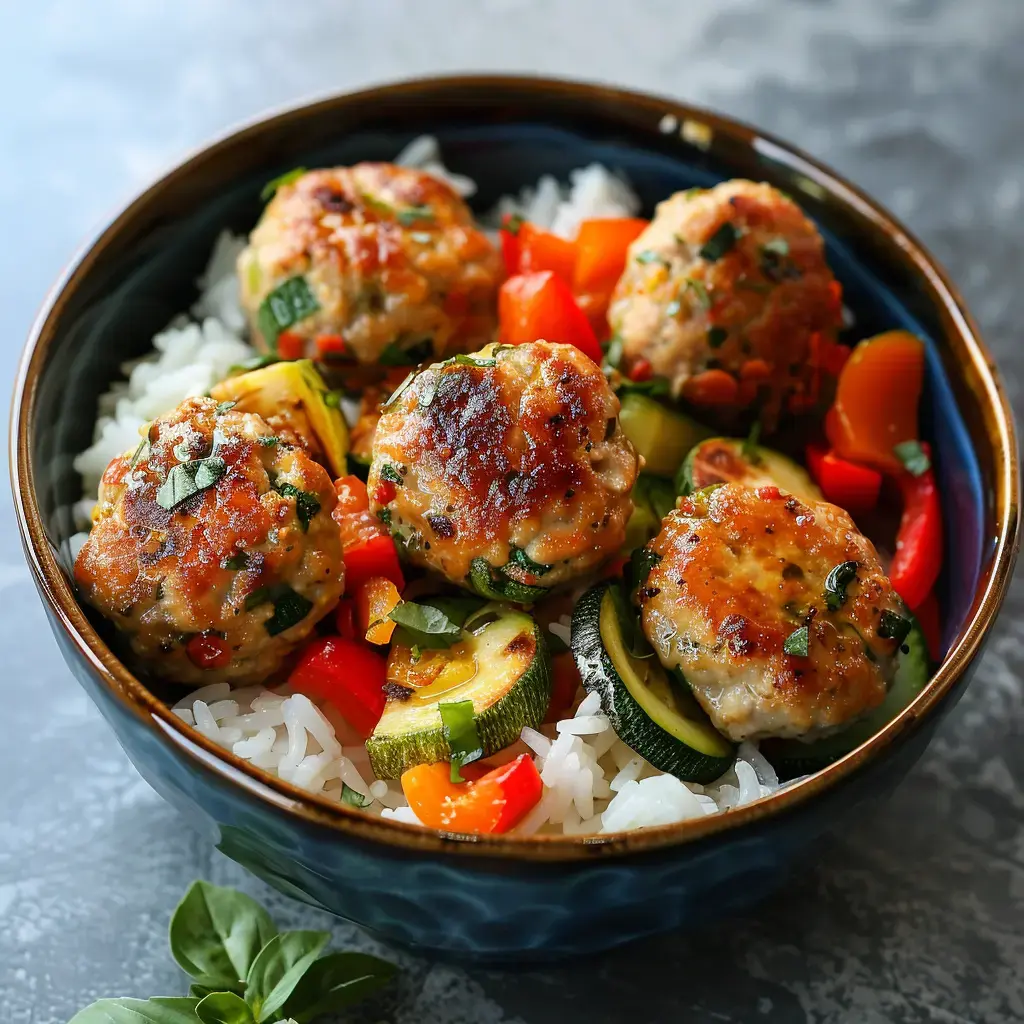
x=723 y=295
x=369 y=264
x=775 y=611
x=514 y=456
x=214 y=550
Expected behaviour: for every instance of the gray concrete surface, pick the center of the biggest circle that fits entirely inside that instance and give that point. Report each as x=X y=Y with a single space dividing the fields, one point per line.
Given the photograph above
x=916 y=916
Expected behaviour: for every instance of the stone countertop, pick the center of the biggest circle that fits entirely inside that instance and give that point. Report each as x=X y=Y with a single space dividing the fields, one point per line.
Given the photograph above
x=916 y=914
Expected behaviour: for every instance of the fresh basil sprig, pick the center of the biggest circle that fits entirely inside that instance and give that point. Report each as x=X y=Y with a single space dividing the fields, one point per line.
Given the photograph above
x=423 y=625
x=245 y=971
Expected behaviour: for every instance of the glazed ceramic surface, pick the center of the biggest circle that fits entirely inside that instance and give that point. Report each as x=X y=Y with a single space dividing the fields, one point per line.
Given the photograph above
x=500 y=897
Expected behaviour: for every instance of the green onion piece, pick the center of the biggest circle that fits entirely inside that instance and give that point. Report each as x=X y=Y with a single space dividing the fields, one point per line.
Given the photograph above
x=914 y=458
x=332 y=399
x=894 y=627
x=459 y=721
x=797 y=642
x=306 y=504
x=673 y=308
x=719 y=243
x=717 y=336
x=287 y=304
x=353 y=797
x=836 y=583
x=274 y=184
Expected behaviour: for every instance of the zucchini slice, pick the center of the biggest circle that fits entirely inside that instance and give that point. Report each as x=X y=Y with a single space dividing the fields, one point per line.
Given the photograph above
x=495 y=585
x=653 y=498
x=661 y=435
x=722 y=460
x=651 y=713
x=792 y=758
x=503 y=667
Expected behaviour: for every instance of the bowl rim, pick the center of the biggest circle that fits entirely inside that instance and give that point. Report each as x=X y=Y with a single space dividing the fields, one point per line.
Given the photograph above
x=208 y=756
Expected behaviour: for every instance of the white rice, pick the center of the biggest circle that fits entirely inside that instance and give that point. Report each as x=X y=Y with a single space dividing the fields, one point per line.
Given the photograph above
x=593 y=782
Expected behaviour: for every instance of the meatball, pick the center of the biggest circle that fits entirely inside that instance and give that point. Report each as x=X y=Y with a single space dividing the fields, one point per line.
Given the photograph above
x=380 y=263
x=514 y=456
x=214 y=550
x=775 y=611
x=723 y=295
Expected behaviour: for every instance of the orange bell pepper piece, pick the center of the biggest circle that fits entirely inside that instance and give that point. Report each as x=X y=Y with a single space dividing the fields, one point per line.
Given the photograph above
x=534 y=307
x=601 y=250
x=852 y=487
x=712 y=387
x=489 y=803
x=876 y=402
x=375 y=600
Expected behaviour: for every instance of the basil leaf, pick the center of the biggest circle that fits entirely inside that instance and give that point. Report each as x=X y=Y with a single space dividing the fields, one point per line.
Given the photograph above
x=894 y=627
x=717 y=337
x=463 y=360
x=224 y=1008
x=641 y=562
x=459 y=721
x=519 y=558
x=797 y=642
x=287 y=304
x=335 y=982
x=282 y=179
x=411 y=214
x=278 y=968
x=290 y=608
x=914 y=458
x=138 y=1011
x=199 y=992
x=209 y=471
x=750 y=449
x=388 y=472
x=306 y=504
x=187 y=479
x=457 y=608
x=409 y=355
x=836 y=583
x=353 y=797
x=215 y=934
x=425 y=625
x=719 y=243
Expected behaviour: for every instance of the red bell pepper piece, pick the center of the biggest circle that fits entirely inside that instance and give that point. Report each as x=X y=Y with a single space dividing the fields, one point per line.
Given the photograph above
x=915 y=566
x=565 y=682
x=844 y=483
x=348 y=675
x=509 y=234
x=290 y=345
x=366 y=545
x=541 y=250
x=492 y=803
x=374 y=557
x=534 y=307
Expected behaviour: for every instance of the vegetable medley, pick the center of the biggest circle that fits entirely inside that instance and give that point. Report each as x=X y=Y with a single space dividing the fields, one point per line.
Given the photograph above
x=654 y=431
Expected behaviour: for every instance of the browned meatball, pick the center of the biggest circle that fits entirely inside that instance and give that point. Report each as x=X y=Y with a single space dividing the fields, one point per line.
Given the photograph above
x=214 y=549
x=514 y=456
x=741 y=572
x=383 y=262
x=732 y=279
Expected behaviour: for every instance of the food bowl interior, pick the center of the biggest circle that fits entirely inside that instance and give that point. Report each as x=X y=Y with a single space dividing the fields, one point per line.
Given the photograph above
x=133 y=285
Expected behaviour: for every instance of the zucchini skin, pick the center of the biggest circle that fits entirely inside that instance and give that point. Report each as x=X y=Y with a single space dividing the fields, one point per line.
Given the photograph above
x=629 y=720
x=498 y=726
x=496 y=586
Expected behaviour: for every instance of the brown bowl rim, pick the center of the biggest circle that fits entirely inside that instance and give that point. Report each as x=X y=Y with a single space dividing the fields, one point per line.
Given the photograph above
x=959 y=328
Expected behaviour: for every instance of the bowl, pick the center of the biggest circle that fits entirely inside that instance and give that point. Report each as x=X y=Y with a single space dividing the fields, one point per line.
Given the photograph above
x=501 y=898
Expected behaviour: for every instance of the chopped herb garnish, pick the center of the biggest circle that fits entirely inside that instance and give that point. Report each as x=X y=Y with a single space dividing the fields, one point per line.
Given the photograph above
x=384 y=515
x=751 y=446
x=779 y=246
x=282 y=179
x=137 y=454
x=914 y=458
x=894 y=627
x=459 y=722
x=836 y=583
x=463 y=360
x=290 y=607
x=255 y=363
x=717 y=336
x=332 y=399
x=421 y=237
x=613 y=352
x=649 y=256
x=407 y=355
x=641 y=562
x=306 y=504
x=353 y=797
x=411 y=214
x=512 y=223
x=187 y=479
x=268 y=440
x=287 y=304
x=388 y=472
x=719 y=243
x=698 y=288
x=424 y=625
x=673 y=308
x=223 y=407
x=797 y=642
x=239 y=560
x=518 y=557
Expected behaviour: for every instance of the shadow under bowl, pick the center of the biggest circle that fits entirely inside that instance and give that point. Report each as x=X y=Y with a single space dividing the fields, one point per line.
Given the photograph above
x=501 y=897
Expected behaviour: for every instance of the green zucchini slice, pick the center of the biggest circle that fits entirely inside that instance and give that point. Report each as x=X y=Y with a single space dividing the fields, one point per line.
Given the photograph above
x=661 y=435
x=651 y=713
x=503 y=667
x=723 y=460
x=495 y=585
x=792 y=758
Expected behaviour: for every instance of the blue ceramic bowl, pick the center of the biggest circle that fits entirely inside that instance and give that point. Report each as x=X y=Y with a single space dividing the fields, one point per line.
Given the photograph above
x=501 y=897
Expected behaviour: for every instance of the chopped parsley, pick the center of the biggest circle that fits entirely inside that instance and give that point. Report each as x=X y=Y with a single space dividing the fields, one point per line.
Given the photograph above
x=836 y=583
x=384 y=515
x=721 y=242
x=287 y=304
x=459 y=722
x=914 y=458
x=306 y=504
x=796 y=644
x=268 y=441
x=274 y=184
x=388 y=472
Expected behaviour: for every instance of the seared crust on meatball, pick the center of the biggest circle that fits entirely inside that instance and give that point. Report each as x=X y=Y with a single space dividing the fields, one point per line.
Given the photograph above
x=227 y=581
x=391 y=256
x=728 y=279
x=742 y=570
x=514 y=451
